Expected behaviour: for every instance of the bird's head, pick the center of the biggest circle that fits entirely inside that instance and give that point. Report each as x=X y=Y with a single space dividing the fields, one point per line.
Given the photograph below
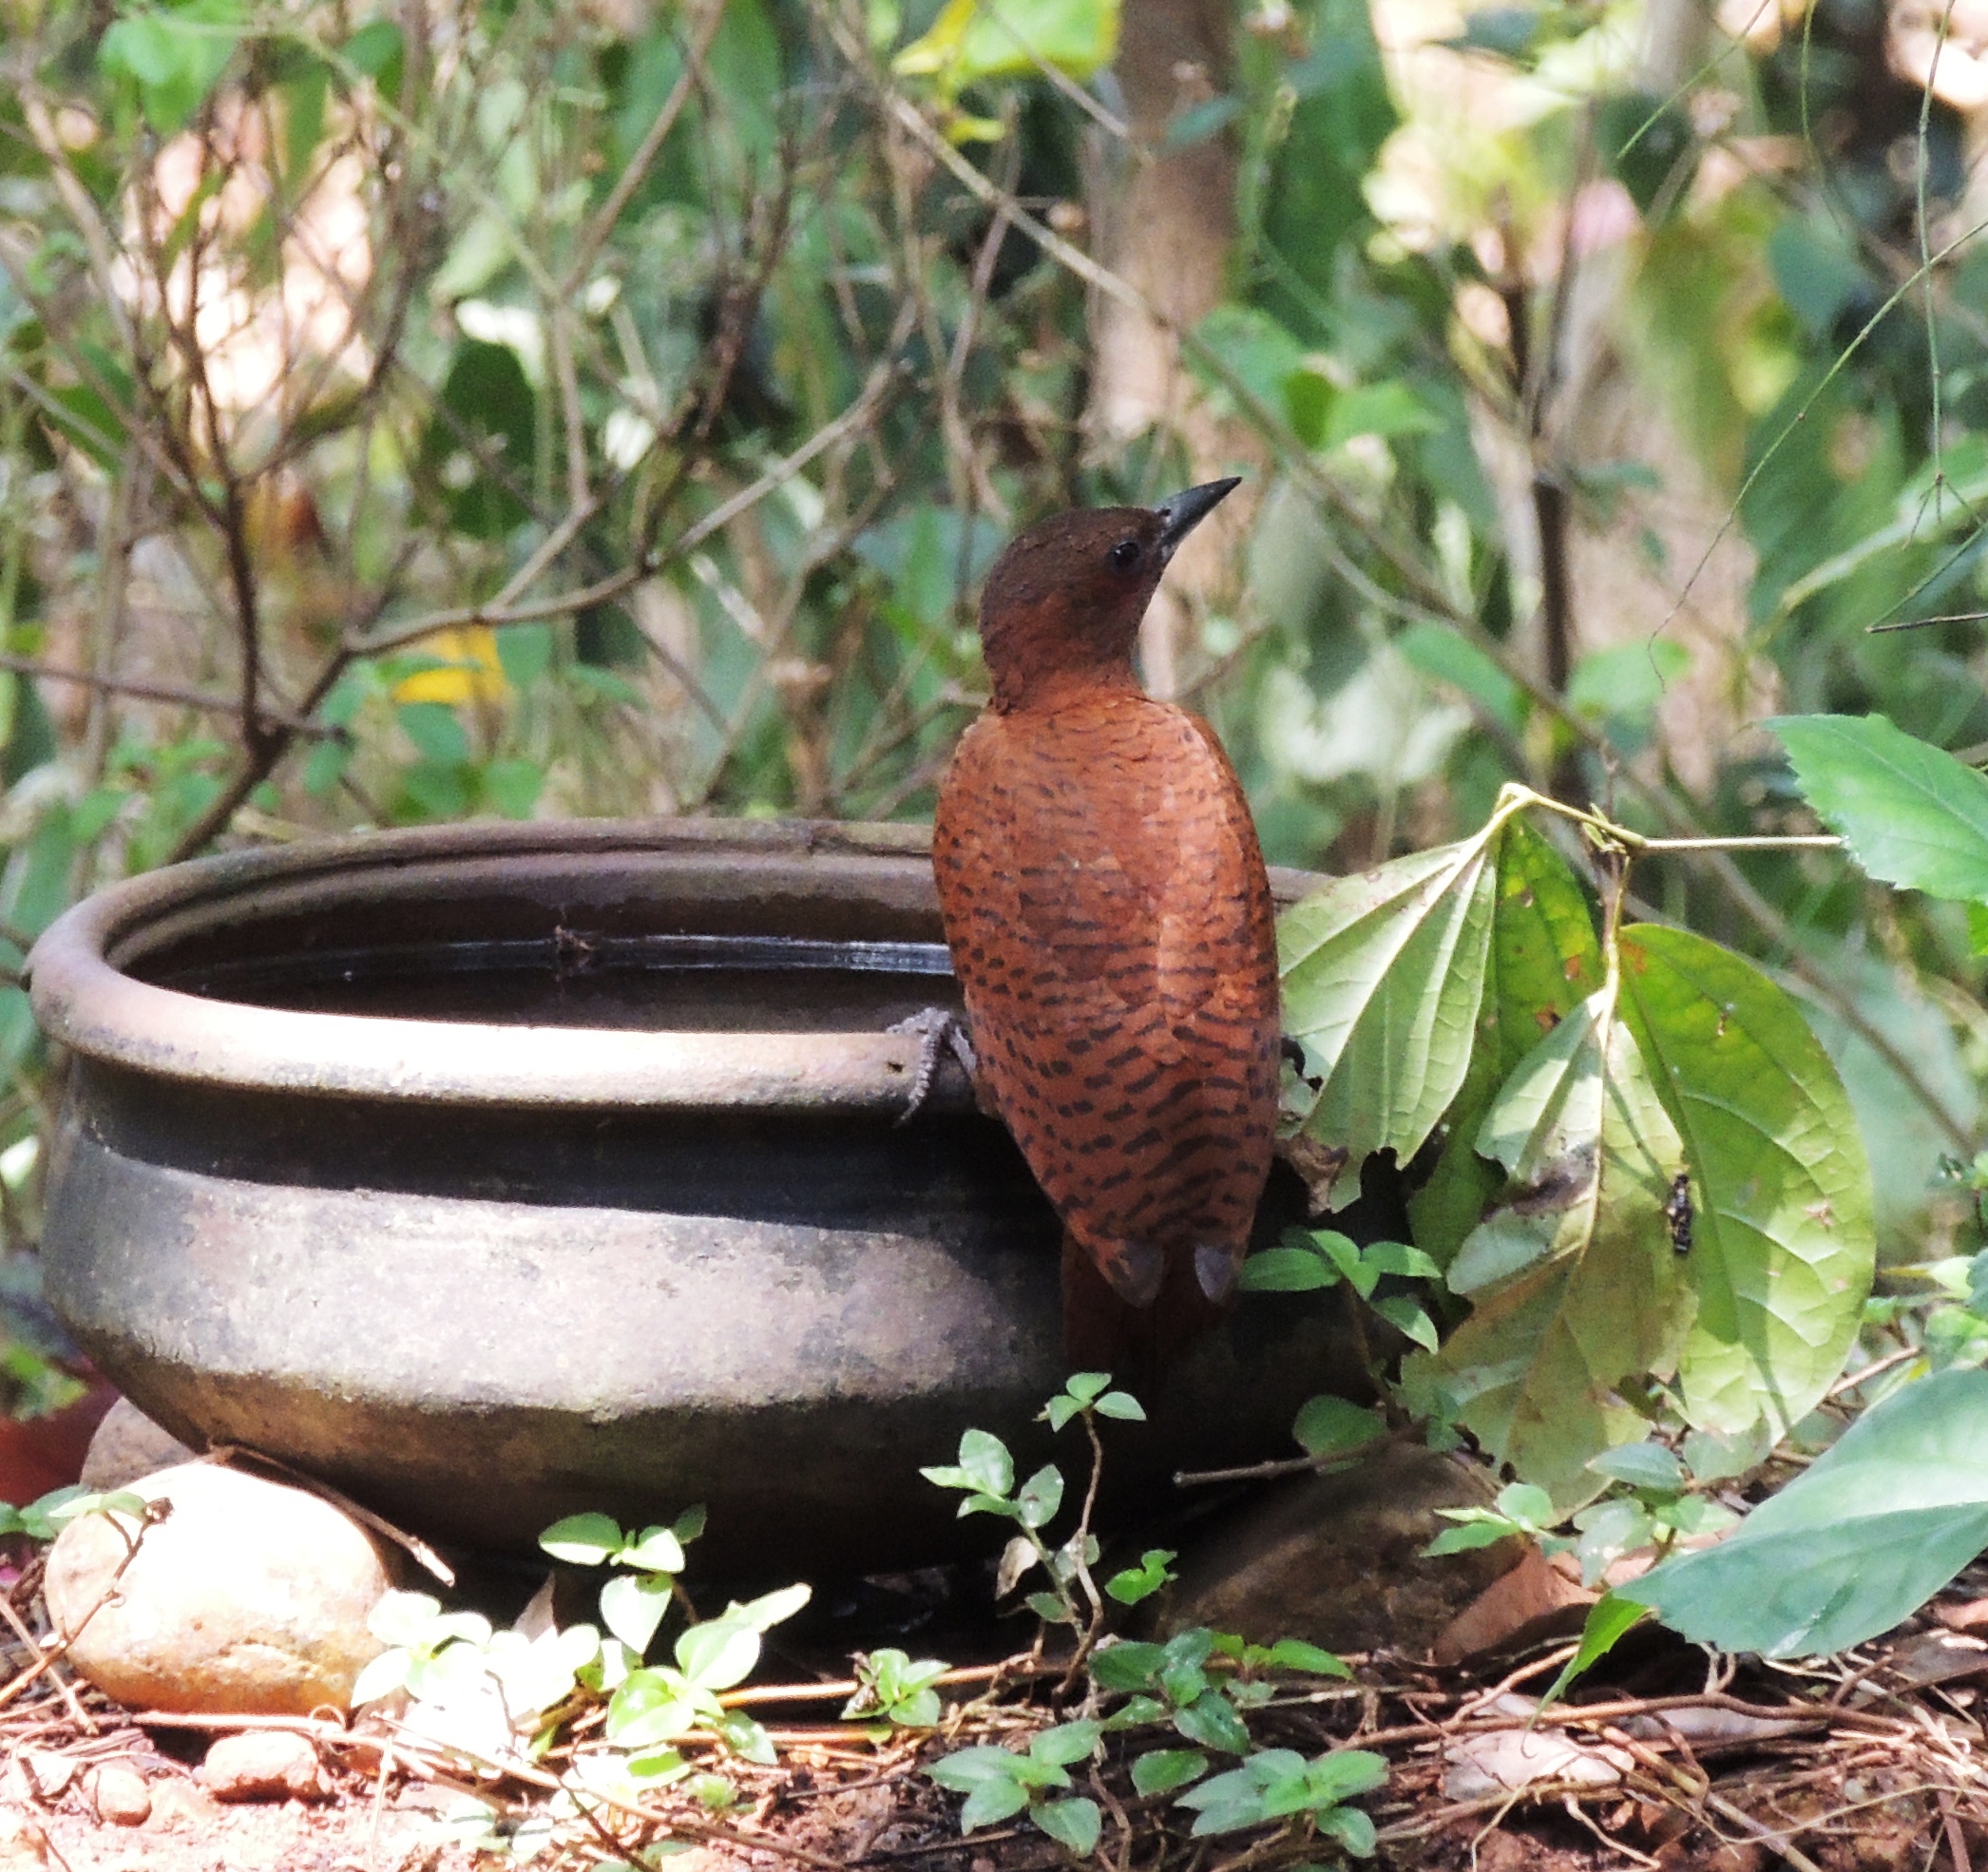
x=1062 y=606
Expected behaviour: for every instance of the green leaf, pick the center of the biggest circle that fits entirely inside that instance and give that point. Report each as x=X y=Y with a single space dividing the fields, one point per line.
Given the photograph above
x=769 y=1609
x=1783 y=1240
x=1161 y=1770
x=991 y=1803
x=1909 y=812
x=1134 y=1584
x=1041 y=1496
x=1468 y=1537
x=985 y=1466
x=1393 y=1258
x=747 y=1739
x=1440 y=651
x=966 y=1769
x=435 y=733
x=650 y=1707
x=1073 y=1823
x=688 y=1524
x=174 y=56
x=717 y=1654
x=1625 y=681
x=480 y=446
x=1862 y=1538
x=1409 y=1320
x=1066 y=1744
x=1643 y=1465
x=604 y=684
x=1138 y=1712
x=1385 y=409
x=1088 y=1386
x=1286 y=1270
x=1123 y=1406
x=1528 y=1504
x=373 y=47
x=1210 y=1720
x=1325 y=1424
x=513 y=787
x=524 y=653
x=654 y=1550
x=381 y=1677
x=325 y=766
x=1125 y=1665
x=1575 y=1286
x=586 y=1540
x=632 y=1606
x=1544 y=962
x=1384 y=975
x=1295 y=1654
x=1353 y=1829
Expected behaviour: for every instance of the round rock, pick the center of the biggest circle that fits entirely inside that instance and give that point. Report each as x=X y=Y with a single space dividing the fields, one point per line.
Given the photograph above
x=265 y=1764
x=249 y=1599
x=119 y=1795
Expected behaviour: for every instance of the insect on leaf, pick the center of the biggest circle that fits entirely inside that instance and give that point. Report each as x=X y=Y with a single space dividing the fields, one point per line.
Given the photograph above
x=1781 y=1241
x=1575 y=1285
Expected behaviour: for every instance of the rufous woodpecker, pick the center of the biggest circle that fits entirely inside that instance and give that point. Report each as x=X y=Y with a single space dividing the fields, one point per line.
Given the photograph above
x=1110 y=923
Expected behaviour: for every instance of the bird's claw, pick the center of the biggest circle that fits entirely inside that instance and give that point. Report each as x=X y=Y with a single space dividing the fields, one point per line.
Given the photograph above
x=940 y=1031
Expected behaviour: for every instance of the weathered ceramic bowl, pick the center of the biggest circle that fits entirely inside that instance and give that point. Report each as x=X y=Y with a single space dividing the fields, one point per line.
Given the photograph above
x=497 y=1172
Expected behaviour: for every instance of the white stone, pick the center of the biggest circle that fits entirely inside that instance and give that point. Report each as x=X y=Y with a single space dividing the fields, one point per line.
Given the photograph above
x=119 y=1795
x=264 y=1764
x=249 y=1599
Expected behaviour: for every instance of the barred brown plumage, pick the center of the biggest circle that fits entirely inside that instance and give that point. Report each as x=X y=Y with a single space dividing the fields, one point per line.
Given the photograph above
x=1109 y=917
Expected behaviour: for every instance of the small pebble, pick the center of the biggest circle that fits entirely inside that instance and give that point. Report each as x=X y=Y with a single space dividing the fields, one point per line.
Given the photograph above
x=266 y=1764
x=119 y=1795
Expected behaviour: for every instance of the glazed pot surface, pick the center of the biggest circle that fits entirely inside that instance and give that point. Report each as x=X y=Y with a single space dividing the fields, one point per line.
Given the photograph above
x=494 y=1172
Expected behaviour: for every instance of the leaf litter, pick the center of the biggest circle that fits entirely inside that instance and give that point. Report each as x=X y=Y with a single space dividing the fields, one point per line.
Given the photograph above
x=1876 y=1757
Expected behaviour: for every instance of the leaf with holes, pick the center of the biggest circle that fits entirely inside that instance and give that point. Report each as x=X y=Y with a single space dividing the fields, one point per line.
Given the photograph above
x=1574 y=1281
x=1782 y=1237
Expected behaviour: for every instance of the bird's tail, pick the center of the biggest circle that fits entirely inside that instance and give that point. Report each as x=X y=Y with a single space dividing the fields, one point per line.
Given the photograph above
x=1102 y=1331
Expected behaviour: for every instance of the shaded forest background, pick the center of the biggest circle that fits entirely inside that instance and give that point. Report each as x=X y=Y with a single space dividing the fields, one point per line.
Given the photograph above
x=532 y=409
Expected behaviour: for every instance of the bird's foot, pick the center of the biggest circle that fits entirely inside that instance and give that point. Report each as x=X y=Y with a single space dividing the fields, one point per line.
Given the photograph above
x=939 y=1032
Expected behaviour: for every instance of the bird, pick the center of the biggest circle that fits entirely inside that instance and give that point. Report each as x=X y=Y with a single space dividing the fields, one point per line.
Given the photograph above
x=1109 y=919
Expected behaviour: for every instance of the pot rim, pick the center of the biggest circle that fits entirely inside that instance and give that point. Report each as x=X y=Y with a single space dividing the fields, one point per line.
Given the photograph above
x=84 y=1000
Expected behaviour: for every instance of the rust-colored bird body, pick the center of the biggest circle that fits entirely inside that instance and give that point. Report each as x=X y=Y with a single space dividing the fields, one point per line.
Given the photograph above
x=1110 y=923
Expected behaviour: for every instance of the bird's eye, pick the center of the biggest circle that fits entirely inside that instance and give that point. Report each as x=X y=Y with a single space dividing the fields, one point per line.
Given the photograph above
x=1125 y=555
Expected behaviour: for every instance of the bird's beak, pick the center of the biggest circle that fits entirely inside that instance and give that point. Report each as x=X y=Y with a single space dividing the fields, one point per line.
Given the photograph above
x=1182 y=513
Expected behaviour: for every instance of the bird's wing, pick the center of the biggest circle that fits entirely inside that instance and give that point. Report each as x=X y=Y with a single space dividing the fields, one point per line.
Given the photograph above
x=1110 y=924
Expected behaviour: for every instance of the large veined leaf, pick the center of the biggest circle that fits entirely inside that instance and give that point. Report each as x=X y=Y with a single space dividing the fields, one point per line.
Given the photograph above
x=1782 y=1237
x=1543 y=962
x=1909 y=812
x=1857 y=1542
x=1574 y=1282
x=1384 y=974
